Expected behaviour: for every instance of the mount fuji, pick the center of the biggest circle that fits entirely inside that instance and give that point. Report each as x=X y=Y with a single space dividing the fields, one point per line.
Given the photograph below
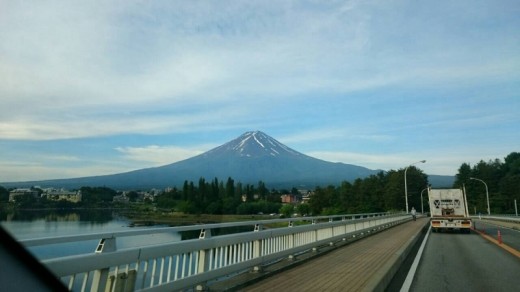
x=252 y=157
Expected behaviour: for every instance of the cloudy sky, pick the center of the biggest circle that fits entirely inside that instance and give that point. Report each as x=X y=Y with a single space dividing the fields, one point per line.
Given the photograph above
x=101 y=87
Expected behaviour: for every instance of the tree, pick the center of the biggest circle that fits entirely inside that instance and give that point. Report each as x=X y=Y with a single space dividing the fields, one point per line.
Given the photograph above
x=463 y=175
x=512 y=164
x=4 y=194
x=304 y=209
x=509 y=192
x=187 y=207
x=214 y=208
x=322 y=199
x=370 y=194
x=185 y=190
x=262 y=190
x=346 y=197
x=230 y=188
x=204 y=196
x=229 y=205
x=286 y=210
x=394 y=191
x=97 y=195
x=501 y=178
x=250 y=191
x=416 y=182
x=165 y=200
x=132 y=196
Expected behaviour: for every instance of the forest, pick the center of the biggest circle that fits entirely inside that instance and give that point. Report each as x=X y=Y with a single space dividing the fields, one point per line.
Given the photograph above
x=502 y=179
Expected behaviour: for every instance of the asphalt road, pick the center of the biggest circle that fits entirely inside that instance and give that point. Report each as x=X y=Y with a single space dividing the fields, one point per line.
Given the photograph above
x=465 y=262
x=510 y=232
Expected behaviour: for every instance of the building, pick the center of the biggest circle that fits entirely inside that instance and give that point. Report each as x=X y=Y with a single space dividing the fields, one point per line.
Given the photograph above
x=62 y=195
x=20 y=192
x=289 y=199
x=306 y=195
x=121 y=199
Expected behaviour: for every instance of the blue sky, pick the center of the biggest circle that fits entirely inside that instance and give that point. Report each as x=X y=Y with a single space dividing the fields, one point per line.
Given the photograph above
x=100 y=87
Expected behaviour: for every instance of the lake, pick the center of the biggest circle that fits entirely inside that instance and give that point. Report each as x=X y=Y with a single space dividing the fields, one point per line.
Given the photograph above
x=53 y=223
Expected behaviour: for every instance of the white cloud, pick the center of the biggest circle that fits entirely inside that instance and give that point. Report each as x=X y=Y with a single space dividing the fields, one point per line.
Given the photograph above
x=313 y=135
x=372 y=161
x=64 y=60
x=103 y=68
x=154 y=155
x=30 y=171
x=439 y=161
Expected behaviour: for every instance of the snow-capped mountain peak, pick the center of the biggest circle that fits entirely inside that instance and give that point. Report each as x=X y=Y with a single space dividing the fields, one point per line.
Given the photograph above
x=255 y=144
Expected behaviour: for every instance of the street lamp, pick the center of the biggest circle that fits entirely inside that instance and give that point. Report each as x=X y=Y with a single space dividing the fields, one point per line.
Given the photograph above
x=405 y=185
x=487 y=193
x=422 y=209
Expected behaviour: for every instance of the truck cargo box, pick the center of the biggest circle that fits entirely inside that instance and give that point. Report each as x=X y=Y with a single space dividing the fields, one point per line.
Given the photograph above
x=449 y=210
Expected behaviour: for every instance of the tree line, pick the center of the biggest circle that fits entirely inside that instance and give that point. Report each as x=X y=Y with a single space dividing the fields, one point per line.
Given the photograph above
x=385 y=191
x=502 y=180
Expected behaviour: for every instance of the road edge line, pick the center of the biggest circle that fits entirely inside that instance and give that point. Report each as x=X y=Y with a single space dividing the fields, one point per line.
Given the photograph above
x=411 y=273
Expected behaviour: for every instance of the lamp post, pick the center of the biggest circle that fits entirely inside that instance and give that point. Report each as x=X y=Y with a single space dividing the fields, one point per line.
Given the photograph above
x=422 y=210
x=406 y=186
x=487 y=193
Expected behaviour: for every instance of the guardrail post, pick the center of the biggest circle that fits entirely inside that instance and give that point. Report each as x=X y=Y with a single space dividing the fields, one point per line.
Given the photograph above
x=204 y=258
x=99 y=281
x=258 y=227
x=257 y=248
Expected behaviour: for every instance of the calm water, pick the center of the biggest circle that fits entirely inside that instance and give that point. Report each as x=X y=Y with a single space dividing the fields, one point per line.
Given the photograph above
x=38 y=224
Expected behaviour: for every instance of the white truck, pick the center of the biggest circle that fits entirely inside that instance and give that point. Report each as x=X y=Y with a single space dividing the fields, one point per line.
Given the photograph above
x=449 y=210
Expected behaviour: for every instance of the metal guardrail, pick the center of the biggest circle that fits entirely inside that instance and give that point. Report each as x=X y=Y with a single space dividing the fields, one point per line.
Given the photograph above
x=507 y=218
x=186 y=264
x=97 y=236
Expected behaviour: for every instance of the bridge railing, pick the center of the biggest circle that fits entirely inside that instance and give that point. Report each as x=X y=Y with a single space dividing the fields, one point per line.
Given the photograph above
x=503 y=217
x=186 y=264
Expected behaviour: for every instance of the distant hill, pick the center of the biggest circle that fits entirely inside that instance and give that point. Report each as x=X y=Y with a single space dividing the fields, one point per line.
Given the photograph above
x=441 y=181
x=252 y=157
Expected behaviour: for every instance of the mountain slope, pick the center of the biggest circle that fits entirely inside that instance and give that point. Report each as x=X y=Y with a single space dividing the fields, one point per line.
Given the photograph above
x=251 y=157
x=256 y=156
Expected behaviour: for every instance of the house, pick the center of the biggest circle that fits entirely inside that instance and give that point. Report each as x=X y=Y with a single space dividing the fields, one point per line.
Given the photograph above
x=20 y=192
x=306 y=195
x=121 y=199
x=62 y=195
x=289 y=199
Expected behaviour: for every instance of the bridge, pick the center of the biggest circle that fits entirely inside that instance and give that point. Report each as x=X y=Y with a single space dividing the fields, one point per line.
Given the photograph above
x=245 y=254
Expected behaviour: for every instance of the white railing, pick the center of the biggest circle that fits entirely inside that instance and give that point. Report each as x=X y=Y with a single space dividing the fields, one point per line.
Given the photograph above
x=505 y=217
x=186 y=264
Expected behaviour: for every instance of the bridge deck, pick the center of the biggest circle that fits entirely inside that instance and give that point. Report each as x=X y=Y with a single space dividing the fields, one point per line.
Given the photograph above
x=363 y=265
